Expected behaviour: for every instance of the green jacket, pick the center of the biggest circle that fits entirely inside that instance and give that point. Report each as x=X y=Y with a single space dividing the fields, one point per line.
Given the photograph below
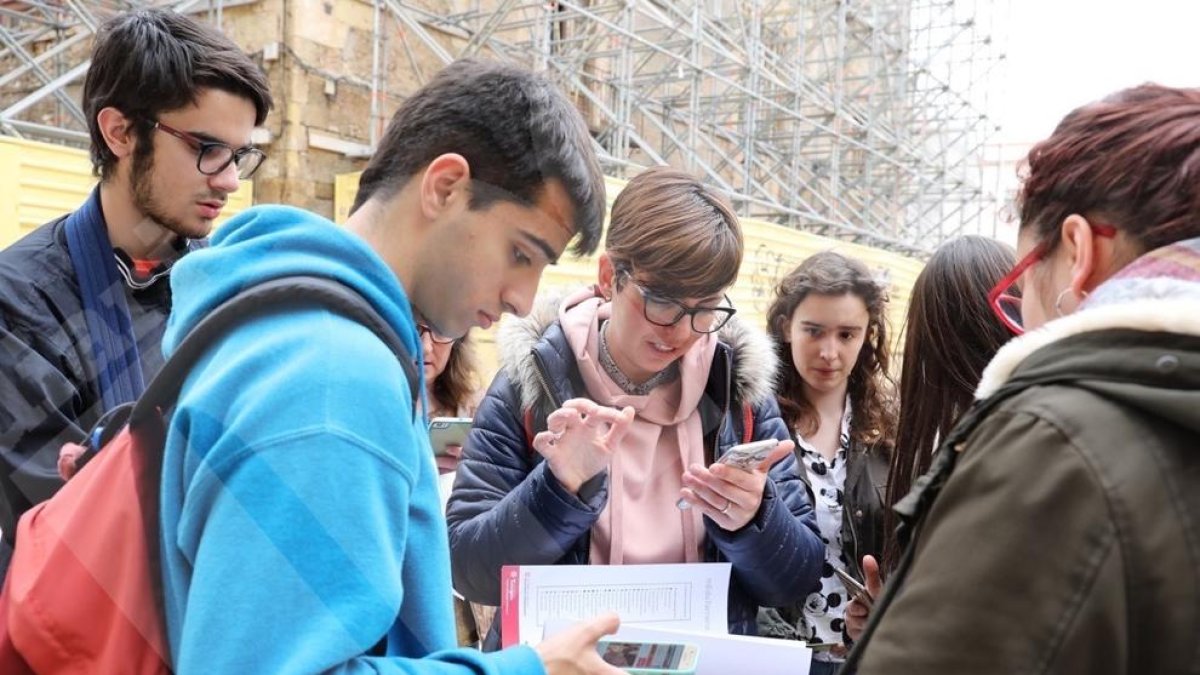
x=1067 y=538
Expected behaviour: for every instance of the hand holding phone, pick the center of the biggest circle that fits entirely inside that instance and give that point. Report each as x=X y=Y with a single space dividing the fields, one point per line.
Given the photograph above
x=745 y=456
x=858 y=611
x=650 y=658
x=448 y=431
x=573 y=651
x=854 y=587
x=731 y=491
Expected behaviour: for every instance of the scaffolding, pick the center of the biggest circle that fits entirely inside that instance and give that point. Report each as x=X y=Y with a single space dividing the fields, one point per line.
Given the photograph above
x=44 y=45
x=863 y=120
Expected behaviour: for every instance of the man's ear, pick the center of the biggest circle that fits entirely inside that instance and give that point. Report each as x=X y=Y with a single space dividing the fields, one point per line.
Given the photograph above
x=118 y=132
x=445 y=180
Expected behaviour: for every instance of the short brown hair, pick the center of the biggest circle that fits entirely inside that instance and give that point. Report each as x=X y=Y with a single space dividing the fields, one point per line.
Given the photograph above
x=1132 y=160
x=151 y=61
x=677 y=232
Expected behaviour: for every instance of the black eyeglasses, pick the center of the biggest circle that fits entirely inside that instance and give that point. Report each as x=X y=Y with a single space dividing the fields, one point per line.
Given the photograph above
x=434 y=336
x=663 y=311
x=212 y=157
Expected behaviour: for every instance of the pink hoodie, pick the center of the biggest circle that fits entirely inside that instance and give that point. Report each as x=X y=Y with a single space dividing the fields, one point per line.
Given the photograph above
x=640 y=523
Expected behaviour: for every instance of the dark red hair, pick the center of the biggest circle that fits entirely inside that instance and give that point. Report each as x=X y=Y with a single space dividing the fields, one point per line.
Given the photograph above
x=1132 y=160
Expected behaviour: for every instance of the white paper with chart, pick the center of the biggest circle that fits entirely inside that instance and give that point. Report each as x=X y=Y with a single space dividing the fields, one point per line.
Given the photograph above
x=690 y=597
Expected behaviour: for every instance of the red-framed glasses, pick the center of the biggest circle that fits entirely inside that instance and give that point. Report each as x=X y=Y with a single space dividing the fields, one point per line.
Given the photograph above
x=1005 y=296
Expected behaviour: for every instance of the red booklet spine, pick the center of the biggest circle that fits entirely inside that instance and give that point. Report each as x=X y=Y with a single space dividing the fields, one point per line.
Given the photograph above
x=510 y=605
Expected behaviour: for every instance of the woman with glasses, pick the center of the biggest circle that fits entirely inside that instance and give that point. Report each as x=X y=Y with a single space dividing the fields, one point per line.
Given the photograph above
x=1058 y=530
x=451 y=385
x=451 y=391
x=828 y=322
x=597 y=442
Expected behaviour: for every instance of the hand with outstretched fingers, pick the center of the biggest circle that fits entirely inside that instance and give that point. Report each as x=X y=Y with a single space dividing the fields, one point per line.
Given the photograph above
x=573 y=651
x=730 y=496
x=579 y=440
x=858 y=612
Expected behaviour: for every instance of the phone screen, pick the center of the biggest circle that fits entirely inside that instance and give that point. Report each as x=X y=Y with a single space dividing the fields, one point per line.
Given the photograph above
x=653 y=655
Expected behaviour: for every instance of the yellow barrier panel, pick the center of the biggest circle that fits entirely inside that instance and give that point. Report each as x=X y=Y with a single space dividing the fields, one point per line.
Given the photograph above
x=40 y=182
x=771 y=252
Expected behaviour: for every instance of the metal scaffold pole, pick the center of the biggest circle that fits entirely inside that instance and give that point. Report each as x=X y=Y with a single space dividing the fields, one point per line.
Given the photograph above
x=864 y=121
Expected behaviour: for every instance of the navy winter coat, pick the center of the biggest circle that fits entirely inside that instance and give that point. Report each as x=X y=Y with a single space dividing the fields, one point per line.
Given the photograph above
x=508 y=509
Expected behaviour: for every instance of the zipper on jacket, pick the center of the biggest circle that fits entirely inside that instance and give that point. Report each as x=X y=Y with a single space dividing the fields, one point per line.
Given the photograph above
x=544 y=379
x=848 y=518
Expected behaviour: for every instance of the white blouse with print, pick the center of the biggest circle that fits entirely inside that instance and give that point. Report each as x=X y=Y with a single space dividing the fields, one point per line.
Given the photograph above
x=823 y=619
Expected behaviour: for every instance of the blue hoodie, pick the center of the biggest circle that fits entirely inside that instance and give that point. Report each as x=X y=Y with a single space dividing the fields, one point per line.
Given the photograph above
x=300 y=514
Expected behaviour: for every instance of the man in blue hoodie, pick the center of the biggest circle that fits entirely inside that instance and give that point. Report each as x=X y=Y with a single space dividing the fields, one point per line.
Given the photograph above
x=301 y=526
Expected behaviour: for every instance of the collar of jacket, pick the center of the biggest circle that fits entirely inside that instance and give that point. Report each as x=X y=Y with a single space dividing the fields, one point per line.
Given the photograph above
x=1151 y=316
x=521 y=340
x=1156 y=293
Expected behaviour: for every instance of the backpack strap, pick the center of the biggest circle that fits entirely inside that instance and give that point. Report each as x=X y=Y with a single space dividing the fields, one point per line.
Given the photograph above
x=747 y=423
x=529 y=433
x=105 y=310
x=277 y=295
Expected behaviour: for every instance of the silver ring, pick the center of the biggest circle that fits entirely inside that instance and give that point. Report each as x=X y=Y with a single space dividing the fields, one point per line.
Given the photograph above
x=728 y=503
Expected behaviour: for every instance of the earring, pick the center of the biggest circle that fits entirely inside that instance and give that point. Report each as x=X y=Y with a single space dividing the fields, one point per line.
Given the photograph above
x=1059 y=299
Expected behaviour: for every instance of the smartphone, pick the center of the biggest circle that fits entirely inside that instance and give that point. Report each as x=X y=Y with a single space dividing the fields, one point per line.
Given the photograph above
x=445 y=431
x=650 y=658
x=749 y=455
x=854 y=586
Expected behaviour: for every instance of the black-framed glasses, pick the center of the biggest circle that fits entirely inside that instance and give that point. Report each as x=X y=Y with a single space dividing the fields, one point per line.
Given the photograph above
x=434 y=336
x=663 y=311
x=212 y=157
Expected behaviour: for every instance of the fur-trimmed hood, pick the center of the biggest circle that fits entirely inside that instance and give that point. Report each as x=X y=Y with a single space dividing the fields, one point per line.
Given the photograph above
x=1166 y=316
x=1159 y=292
x=754 y=358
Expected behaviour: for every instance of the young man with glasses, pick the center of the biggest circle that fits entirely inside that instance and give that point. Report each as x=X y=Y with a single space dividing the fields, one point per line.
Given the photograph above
x=84 y=298
x=597 y=442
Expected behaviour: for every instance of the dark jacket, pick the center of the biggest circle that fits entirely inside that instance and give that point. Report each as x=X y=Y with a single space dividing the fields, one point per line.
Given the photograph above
x=48 y=391
x=507 y=509
x=863 y=498
x=862 y=527
x=1066 y=539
